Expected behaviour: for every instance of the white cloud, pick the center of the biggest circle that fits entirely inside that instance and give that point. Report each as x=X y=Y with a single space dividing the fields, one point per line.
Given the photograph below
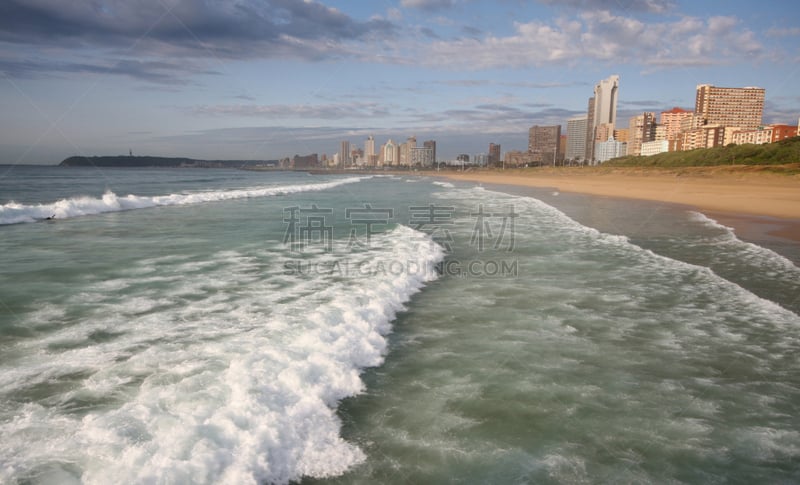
x=653 y=6
x=394 y=14
x=299 y=111
x=427 y=4
x=601 y=35
x=784 y=32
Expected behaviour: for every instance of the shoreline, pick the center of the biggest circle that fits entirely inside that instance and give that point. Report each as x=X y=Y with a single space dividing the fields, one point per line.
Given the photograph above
x=758 y=205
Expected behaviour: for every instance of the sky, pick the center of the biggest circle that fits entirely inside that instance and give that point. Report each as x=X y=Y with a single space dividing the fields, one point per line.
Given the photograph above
x=267 y=79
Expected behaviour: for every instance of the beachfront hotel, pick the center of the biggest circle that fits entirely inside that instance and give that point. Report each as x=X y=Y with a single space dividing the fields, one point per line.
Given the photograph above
x=735 y=107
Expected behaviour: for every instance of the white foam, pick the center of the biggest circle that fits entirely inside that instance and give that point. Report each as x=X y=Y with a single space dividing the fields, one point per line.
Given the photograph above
x=729 y=238
x=239 y=387
x=15 y=213
x=572 y=232
x=447 y=185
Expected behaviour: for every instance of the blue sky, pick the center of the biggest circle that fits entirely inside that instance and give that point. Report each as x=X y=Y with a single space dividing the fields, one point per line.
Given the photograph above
x=264 y=79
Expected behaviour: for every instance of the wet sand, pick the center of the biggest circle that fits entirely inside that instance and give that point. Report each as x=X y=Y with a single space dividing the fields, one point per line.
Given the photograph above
x=753 y=202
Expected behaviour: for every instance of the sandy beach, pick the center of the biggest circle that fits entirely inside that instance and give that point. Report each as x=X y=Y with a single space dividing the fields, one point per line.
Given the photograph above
x=741 y=195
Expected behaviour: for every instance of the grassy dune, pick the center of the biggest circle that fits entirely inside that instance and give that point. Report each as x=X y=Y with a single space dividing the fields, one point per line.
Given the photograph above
x=783 y=156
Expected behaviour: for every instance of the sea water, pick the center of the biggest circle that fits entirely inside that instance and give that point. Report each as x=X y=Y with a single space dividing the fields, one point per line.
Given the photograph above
x=221 y=326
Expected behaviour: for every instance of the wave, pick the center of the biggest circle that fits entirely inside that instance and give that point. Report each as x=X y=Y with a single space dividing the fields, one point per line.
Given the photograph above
x=542 y=217
x=752 y=251
x=14 y=213
x=240 y=386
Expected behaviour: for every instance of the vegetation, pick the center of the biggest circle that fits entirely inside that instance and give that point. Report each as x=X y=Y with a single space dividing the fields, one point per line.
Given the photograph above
x=781 y=153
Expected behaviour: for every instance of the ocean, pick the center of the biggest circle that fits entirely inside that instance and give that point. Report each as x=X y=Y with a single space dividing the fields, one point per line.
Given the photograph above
x=218 y=326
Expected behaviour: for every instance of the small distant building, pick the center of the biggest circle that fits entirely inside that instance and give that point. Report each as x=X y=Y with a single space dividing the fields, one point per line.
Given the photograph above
x=621 y=134
x=755 y=137
x=422 y=157
x=544 y=142
x=391 y=154
x=672 y=120
x=603 y=132
x=611 y=148
x=305 y=162
x=344 y=154
x=431 y=144
x=494 y=153
x=650 y=148
x=704 y=137
x=641 y=129
x=516 y=158
x=782 y=132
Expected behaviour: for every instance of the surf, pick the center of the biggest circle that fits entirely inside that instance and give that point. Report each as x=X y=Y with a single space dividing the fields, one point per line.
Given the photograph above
x=15 y=213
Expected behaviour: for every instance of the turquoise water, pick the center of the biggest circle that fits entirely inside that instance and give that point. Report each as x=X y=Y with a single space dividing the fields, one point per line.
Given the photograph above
x=164 y=329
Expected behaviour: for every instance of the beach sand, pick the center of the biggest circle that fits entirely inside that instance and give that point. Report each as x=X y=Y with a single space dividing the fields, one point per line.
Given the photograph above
x=746 y=198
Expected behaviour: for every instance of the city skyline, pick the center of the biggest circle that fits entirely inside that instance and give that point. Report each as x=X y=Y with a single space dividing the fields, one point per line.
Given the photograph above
x=182 y=78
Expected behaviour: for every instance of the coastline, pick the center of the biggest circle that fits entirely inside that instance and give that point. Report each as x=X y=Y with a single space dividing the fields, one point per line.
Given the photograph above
x=759 y=205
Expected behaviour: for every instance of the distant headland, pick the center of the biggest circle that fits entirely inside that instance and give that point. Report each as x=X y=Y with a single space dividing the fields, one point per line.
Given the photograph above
x=162 y=162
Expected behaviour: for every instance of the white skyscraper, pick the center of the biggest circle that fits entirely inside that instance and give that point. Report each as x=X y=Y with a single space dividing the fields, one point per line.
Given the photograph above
x=605 y=101
x=370 y=156
x=369 y=147
x=602 y=110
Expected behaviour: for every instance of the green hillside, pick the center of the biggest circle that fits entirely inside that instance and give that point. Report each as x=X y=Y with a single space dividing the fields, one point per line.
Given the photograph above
x=780 y=153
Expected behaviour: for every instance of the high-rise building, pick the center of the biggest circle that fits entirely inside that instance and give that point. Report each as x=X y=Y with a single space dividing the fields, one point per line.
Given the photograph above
x=672 y=120
x=605 y=101
x=405 y=150
x=369 y=151
x=576 y=138
x=494 y=153
x=738 y=107
x=544 y=143
x=602 y=110
x=391 y=156
x=432 y=145
x=344 y=154
x=641 y=129
x=588 y=137
x=421 y=156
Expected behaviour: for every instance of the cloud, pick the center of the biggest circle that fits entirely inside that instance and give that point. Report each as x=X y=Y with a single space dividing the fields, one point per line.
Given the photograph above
x=238 y=29
x=427 y=32
x=784 y=32
x=470 y=83
x=171 y=41
x=645 y=103
x=652 y=6
x=429 y=5
x=470 y=31
x=781 y=110
x=603 y=36
x=153 y=71
x=300 y=111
